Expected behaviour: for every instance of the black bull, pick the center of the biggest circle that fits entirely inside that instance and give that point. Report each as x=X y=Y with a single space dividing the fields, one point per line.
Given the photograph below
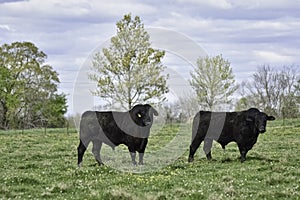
x=131 y=128
x=224 y=127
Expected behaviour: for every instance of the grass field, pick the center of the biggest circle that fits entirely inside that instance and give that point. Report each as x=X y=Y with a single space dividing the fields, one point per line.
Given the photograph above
x=35 y=165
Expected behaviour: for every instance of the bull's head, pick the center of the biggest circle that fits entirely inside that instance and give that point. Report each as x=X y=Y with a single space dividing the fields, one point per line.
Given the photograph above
x=142 y=115
x=259 y=119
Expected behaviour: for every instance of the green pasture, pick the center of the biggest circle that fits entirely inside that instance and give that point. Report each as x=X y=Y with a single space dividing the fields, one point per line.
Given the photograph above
x=39 y=165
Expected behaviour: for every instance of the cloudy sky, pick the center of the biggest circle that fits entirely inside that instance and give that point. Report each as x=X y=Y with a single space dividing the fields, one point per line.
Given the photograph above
x=247 y=33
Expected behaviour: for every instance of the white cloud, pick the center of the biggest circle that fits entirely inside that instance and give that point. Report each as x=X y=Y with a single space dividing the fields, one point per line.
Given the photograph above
x=273 y=57
x=75 y=8
x=219 y=4
x=183 y=23
x=5 y=27
x=261 y=4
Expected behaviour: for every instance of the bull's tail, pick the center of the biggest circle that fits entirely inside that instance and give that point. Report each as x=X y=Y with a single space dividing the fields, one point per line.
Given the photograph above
x=195 y=126
x=195 y=137
x=80 y=150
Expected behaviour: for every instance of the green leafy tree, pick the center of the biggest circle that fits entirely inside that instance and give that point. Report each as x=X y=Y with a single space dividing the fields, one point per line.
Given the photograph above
x=54 y=110
x=213 y=81
x=27 y=85
x=242 y=104
x=129 y=71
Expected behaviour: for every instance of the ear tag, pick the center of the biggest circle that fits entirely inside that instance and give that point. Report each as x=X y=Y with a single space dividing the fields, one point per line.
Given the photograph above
x=139 y=115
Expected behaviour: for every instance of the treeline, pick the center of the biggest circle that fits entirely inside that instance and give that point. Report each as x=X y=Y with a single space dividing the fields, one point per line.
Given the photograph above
x=276 y=92
x=29 y=96
x=28 y=89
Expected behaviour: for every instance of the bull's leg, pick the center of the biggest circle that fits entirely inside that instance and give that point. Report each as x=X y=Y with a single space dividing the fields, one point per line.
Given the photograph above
x=207 y=148
x=132 y=152
x=142 y=150
x=141 y=157
x=243 y=152
x=193 y=148
x=133 y=155
x=80 y=150
x=96 y=151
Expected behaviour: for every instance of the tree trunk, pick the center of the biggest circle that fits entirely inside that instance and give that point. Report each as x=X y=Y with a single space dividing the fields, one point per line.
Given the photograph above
x=4 y=121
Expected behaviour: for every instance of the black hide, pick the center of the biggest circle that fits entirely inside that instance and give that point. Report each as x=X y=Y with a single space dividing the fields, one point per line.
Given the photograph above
x=224 y=127
x=131 y=128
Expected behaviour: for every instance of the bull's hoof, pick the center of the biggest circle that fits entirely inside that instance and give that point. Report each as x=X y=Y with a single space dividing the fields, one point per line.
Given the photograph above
x=209 y=158
x=190 y=159
x=100 y=163
x=134 y=163
x=141 y=163
x=79 y=165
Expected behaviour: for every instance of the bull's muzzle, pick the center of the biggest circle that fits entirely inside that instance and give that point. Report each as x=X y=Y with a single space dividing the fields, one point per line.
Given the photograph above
x=262 y=130
x=147 y=123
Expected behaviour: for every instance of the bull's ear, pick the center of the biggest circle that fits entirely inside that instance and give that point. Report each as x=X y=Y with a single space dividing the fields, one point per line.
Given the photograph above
x=270 y=118
x=153 y=110
x=251 y=114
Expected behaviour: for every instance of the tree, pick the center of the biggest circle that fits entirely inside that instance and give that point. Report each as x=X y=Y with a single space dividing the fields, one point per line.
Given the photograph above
x=54 y=110
x=266 y=85
x=129 y=70
x=287 y=86
x=274 y=91
x=245 y=101
x=213 y=81
x=297 y=91
x=242 y=104
x=27 y=86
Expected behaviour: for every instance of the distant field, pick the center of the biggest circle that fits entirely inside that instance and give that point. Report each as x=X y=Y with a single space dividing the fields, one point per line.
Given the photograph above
x=35 y=165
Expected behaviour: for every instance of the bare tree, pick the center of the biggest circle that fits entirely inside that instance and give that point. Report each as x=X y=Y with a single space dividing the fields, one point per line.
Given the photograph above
x=297 y=91
x=288 y=97
x=272 y=91
x=265 y=88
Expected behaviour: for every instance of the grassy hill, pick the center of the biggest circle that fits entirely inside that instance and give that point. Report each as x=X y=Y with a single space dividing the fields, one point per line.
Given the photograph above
x=35 y=165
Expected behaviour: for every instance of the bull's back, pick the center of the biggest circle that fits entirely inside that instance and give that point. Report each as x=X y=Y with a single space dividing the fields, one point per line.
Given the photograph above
x=215 y=125
x=88 y=122
x=100 y=126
